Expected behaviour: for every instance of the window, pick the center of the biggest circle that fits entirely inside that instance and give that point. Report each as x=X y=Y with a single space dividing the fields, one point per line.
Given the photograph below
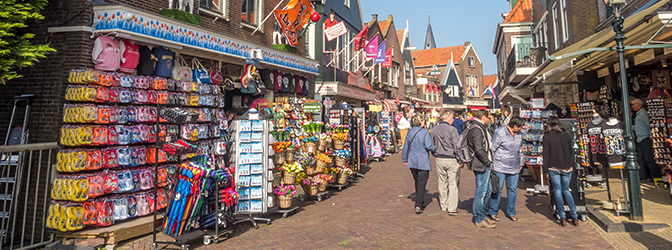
x=565 y=30
x=545 y=36
x=249 y=13
x=347 y=3
x=472 y=85
x=213 y=5
x=472 y=63
x=556 y=36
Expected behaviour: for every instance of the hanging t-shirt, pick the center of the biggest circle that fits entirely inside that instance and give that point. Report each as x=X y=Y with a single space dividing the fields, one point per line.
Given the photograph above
x=164 y=65
x=146 y=62
x=261 y=104
x=277 y=80
x=106 y=54
x=305 y=86
x=129 y=56
x=286 y=82
x=614 y=144
x=596 y=144
x=298 y=84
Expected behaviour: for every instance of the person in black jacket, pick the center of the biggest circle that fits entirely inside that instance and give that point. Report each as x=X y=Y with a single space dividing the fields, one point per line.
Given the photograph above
x=558 y=163
x=479 y=141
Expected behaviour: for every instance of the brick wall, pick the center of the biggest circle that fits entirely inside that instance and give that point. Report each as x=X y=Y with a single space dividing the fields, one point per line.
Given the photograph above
x=582 y=17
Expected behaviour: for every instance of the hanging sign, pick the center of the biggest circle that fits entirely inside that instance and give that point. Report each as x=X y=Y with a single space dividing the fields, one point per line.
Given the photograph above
x=336 y=30
x=359 y=80
x=645 y=56
x=292 y=18
x=617 y=67
x=603 y=72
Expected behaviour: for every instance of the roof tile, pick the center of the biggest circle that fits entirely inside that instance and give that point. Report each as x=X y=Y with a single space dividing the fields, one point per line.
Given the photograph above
x=489 y=80
x=438 y=56
x=522 y=12
x=400 y=34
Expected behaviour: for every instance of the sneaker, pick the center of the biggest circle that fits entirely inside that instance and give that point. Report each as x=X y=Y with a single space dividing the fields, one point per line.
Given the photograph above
x=418 y=210
x=484 y=224
x=489 y=221
x=456 y=213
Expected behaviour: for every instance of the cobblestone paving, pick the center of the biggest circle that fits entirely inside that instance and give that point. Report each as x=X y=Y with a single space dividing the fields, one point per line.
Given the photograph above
x=377 y=212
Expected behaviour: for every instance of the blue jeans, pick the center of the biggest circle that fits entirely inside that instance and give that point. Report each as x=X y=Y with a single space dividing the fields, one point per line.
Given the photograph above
x=560 y=182
x=511 y=186
x=483 y=189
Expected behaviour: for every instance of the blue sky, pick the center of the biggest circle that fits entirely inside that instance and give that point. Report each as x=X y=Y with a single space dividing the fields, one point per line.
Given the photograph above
x=453 y=22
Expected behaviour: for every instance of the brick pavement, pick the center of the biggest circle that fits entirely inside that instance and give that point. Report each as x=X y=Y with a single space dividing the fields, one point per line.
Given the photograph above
x=378 y=212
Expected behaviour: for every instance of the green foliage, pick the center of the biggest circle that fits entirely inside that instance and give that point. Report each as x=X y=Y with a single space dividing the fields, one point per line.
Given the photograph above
x=16 y=50
x=182 y=16
x=285 y=47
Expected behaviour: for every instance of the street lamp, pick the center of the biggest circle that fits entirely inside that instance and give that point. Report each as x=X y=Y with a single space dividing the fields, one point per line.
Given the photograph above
x=636 y=212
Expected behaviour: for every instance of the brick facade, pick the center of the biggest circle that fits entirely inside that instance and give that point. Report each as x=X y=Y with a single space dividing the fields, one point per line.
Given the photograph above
x=582 y=18
x=48 y=78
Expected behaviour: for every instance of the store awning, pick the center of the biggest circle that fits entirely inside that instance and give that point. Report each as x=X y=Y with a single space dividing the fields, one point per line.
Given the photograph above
x=390 y=105
x=594 y=49
x=336 y=89
x=477 y=107
x=143 y=26
x=404 y=102
x=418 y=100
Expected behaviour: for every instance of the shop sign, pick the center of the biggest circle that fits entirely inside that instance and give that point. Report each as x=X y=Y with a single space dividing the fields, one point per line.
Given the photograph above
x=358 y=79
x=667 y=50
x=146 y=25
x=336 y=90
x=476 y=103
x=603 y=72
x=537 y=103
x=335 y=31
x=644 y=57
x=617 y=66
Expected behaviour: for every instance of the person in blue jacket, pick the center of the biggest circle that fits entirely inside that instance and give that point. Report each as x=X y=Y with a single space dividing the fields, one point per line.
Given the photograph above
x=416 y=157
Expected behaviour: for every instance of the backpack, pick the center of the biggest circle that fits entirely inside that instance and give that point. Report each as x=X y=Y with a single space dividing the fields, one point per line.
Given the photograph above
x=465 y=154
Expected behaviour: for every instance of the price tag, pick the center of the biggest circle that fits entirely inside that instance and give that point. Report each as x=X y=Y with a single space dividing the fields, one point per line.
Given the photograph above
x=253 y=116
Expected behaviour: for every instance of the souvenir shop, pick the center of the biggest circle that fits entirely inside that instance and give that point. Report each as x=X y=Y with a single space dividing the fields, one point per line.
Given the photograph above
x=195 y=136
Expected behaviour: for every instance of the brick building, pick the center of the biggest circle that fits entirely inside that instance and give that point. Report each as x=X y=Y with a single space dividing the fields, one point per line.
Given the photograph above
x=71 y=27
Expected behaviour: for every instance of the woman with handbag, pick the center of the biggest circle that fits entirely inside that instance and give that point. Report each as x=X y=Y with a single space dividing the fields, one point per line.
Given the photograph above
x=415 y=156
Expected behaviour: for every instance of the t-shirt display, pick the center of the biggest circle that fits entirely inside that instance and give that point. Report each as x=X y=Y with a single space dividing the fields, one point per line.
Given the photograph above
x=146 y=62
x=612 y=133
x=164 y=65
x=597 y=148
x=129 y=56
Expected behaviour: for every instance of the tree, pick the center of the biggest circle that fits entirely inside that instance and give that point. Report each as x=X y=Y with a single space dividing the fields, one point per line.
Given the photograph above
x=16 y=50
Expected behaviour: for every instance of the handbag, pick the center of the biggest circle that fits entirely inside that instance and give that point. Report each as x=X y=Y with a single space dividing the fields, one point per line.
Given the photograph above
x=215 y=74
x=494 y=181
x=181 y=72
x=200 y=74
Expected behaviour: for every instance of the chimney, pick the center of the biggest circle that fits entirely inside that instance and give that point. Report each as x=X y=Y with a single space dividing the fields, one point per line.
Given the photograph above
x=374 y=17
x=389 y=18
x=467 y=44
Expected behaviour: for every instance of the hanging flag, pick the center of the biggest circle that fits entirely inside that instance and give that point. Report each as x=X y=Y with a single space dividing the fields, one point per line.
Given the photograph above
x=388 y=58
x=380 y=58
x=293 y=18
x=489 y=91
x=471 y=91
x=372 y=47
x=360 y=38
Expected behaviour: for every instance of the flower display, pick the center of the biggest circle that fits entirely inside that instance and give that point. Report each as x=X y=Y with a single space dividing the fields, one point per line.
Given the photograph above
x=323 y=157
x=343 y=153
x=284 y=190
x=294 y=167
x=306 y=159
x=277 y=169
x=312 y=127
x=333 y=170
x=345 y=170
x=311 y=180
x=325 y=177
x=308 y=139
x=339 y=136
x=342 y=128
x=324 y=137
x=300 y=176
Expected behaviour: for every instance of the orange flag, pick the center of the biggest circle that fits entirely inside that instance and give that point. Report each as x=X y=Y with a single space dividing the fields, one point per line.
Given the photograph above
x=293 y=18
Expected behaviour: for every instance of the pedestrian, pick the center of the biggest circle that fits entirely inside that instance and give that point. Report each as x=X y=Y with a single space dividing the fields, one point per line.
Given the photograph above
x=648 y=169
x=416 y=157
x=458 y=122
x=558 y=163
x=403 y=125
x=445 y=139
x=507 y=154
x=479 y=142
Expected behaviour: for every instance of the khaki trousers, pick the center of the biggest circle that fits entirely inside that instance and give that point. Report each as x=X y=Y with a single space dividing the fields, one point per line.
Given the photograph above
x=448 y=172
x=402 y=133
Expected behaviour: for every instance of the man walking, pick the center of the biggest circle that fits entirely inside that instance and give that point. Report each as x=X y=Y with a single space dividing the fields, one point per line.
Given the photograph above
x=648 y=169
x=445 y=138
x=507 y=152
x=479 y=141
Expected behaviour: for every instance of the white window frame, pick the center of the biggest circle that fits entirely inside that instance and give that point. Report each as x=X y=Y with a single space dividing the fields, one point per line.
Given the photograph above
x=471 y=62
x=565 y=29
x=556 y=36
x=222 y=5
x=347 y=3
x=260 y=10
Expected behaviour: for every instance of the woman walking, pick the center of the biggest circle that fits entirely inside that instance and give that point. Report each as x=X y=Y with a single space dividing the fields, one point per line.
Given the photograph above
x=558 y=162
x=416 y=157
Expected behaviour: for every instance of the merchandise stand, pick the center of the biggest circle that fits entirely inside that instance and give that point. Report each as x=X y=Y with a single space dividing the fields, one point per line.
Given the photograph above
x=251 y=136
x=283 y=211
x=532 y=146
